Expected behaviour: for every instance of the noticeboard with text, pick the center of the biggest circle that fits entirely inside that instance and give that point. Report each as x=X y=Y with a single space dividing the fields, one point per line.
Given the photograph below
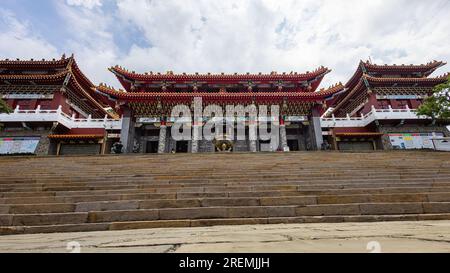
x=18 y=145
x=413 y=140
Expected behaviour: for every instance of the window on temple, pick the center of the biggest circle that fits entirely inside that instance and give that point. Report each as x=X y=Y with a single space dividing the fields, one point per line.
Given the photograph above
x=383 y=104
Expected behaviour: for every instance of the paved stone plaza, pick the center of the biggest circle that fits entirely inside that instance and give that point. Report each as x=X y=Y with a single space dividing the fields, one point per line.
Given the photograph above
x=417 y=236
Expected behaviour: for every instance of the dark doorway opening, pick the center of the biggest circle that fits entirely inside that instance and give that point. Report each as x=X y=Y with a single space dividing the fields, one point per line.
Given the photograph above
x=152 y=147
x=293 y=144
x=264 y=146
x=181 y=147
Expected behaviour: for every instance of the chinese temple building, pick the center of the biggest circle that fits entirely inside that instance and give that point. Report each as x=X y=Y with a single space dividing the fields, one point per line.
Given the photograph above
x=377 y=109
x=55 y=110
x=148 y=99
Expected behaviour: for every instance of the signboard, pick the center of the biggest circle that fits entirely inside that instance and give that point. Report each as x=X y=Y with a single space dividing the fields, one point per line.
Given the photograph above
x=413 y=140
x=18 y=145
x=398 y=97
x=296 y=118
x=148 y=120
x=28 y=96
x=113 y=135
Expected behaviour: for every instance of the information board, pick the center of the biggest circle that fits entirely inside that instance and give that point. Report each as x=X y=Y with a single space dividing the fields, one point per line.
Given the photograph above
x=18 y=145
x=413 y=140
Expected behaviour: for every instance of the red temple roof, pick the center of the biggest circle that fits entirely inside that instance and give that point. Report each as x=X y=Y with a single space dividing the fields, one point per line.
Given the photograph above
x=151 y=96
x=209 y=77
x=56 y=71
x=422 y=81
x=424 y=70
x=35 y=64
x=375 y=82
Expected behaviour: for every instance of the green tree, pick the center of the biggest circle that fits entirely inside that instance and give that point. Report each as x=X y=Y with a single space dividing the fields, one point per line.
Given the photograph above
x=4 y=108
x=437 y=106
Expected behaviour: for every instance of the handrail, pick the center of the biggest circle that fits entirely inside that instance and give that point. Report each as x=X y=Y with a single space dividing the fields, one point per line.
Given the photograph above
x=57 y=115
x=373 y=114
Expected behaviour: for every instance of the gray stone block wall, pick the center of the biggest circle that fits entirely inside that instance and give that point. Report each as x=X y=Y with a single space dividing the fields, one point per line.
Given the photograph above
x=205 y=146
x=241 y=146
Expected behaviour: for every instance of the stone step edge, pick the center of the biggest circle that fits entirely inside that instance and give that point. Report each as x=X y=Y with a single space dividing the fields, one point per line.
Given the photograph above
x=225 y=213
x=129 y=225
x=244 y=194
x=288 y=200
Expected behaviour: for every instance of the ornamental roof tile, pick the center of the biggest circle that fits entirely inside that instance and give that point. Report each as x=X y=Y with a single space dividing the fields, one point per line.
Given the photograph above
x=120 y=94
x=120 y=71
x=79 y=136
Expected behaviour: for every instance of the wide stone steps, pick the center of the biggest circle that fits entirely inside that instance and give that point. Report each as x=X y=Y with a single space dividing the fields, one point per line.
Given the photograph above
x=57 y=197
x=224 y=201
x=81 y=193
x=202 y=187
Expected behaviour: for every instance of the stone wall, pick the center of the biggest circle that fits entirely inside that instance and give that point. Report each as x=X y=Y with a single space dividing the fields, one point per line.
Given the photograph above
x=241 y=146
x=205 y=146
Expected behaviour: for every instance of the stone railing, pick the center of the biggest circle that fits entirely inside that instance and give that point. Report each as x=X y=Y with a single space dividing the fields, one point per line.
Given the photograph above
x=374 y=114
x=39 y=115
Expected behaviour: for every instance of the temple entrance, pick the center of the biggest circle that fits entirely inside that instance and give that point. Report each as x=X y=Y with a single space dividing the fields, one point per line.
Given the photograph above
x=356 y=145
x=293 y=144
x=264 y=146
x=151 y=147
x=80 y=149
x=181 y=146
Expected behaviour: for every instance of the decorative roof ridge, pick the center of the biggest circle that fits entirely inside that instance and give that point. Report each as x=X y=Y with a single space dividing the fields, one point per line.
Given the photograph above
x=122 y=70
x=337 y=86
x=381 y=79
x=103 y=86
x=349 y=94
x=88 y=95
x=433 y=63
x=62 y=60
x=356 y=73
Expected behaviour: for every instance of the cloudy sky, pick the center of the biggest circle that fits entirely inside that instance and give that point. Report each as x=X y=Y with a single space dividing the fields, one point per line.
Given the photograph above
x=226 y=35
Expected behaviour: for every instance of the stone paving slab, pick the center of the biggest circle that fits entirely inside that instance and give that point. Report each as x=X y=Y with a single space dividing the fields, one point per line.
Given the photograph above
x=415 y=236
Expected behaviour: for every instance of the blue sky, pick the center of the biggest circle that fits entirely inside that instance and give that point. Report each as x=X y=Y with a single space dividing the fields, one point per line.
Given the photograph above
x=226 y=35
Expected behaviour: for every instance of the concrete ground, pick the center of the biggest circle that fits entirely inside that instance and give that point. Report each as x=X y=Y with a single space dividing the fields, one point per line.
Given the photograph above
x=418 y=236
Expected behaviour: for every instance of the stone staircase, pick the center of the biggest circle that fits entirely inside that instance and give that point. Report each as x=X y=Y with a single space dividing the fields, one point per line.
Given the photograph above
x=87 y=193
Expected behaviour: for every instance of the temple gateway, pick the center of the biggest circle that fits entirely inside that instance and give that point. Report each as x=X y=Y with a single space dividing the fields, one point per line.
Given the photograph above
x=58 y=110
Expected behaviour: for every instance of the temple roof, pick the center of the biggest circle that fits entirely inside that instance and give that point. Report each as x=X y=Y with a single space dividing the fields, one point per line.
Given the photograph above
x=422 y=81
x=424 y=70
x=151 y=96
x=62 y=71
x=367 y=81
x=184 y=77
x=21 y=64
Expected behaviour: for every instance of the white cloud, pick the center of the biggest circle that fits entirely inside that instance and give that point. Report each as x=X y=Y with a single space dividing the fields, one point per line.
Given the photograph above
x=285 y=35
x=241 y=36
x=18 y=41
x=85 y=3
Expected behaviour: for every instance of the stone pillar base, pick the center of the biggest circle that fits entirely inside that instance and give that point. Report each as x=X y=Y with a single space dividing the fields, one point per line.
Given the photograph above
x=162 y=139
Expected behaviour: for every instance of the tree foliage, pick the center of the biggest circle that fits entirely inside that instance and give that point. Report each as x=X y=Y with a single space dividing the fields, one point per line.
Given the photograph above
x=4 y=108
x=437 y=106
